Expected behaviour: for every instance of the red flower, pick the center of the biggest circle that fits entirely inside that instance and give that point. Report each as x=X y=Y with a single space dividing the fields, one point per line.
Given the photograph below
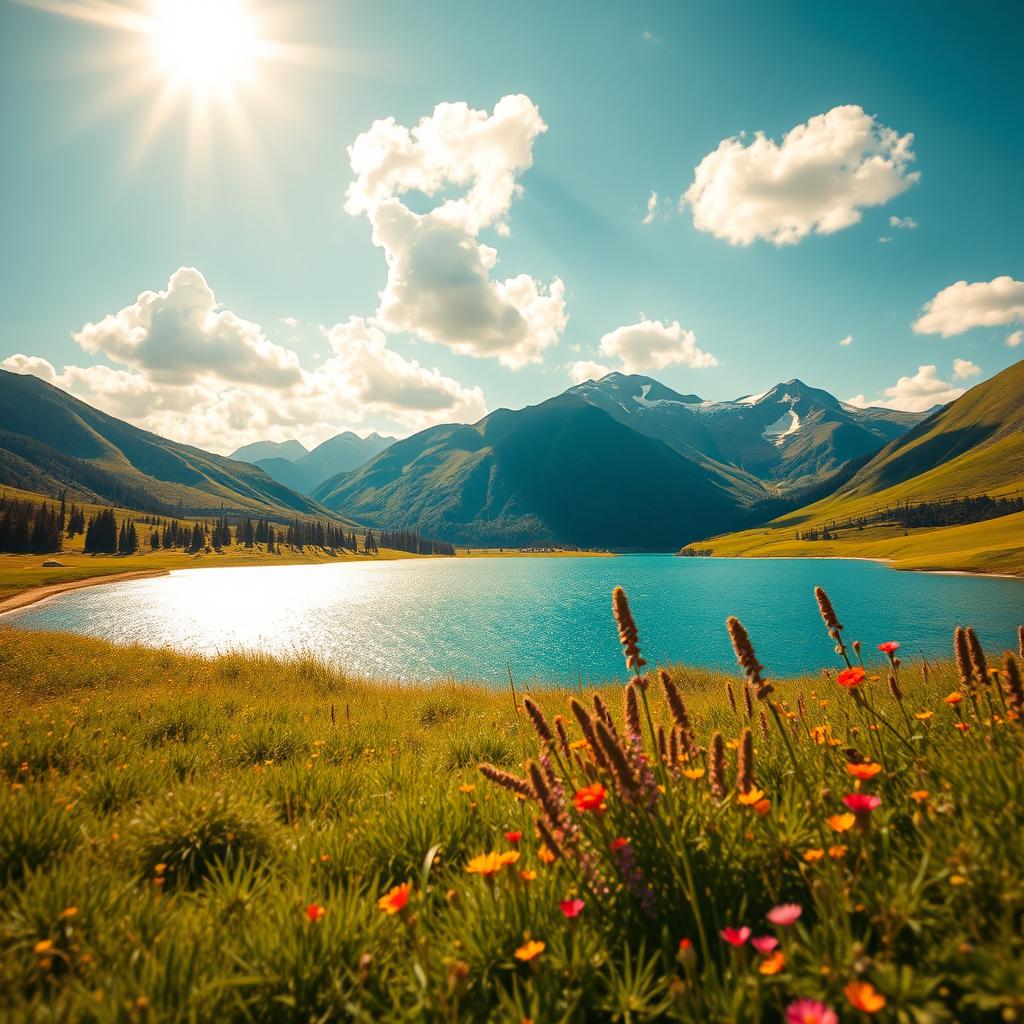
x=571 y=908
x=764 y=943
x=851 y=677
x=889 y=647
x=514 y=837
x=395 y=901
x=314 y=911
x=736 y=936
x=617 y=844
x=685 y=945
x=591 y=798
x=861 y=803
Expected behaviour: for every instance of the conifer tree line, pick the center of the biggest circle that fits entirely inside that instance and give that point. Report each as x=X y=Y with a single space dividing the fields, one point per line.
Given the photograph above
x=409 y=540
x=28 y=527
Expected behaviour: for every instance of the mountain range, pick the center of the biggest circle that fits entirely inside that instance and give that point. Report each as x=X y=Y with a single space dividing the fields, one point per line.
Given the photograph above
x=290 y=463
x=53 y=443
x=621 y=462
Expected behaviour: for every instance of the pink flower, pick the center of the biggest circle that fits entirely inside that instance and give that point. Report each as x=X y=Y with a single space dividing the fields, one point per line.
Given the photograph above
x=764 y=943
x=736 y=936
x=809 y=1011
x=889 y=647
x=785 y=914
x=572 y=908
x=861 y=803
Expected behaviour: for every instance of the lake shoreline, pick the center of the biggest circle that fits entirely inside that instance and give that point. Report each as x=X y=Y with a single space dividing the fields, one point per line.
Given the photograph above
x=889 y=563
x=33 y=595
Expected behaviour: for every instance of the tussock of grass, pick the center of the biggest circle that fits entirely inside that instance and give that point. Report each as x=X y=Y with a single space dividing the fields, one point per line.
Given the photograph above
x=170 y=825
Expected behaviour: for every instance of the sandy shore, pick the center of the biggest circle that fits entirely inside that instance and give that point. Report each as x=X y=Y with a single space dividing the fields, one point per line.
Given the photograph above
x=34 y=594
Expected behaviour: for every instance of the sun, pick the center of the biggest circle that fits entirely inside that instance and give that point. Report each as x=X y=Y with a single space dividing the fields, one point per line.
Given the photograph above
x=206 y=47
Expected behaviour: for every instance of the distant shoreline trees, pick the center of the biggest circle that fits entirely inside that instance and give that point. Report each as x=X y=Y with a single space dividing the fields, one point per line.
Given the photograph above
x=29 y=528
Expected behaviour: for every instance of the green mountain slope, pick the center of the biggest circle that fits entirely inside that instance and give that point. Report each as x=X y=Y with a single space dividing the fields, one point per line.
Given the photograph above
x=50 y=442
x=974 y=446
x=563 y=471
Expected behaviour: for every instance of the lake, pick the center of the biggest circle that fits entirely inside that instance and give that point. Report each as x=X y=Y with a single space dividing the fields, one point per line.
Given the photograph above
x=549 y=618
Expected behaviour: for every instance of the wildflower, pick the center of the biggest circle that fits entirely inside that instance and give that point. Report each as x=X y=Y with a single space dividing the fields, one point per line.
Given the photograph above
x=864 y=772
x=508 y=858
x=953 y=699
x=42 y=947
x=814 y=855
x=506 y=780
x=762 y=807
x=889 y=647
x=764 y=943
x=571 y=908
x=754 y=796
x=591 y=798
x=746 y=657
x=467 y=787
x=395 y=901
x=919 y=795
x=961 y=727
x=862 y=804
x=529 y=950
x=315 y=911
x=809 y=1011
x=67 y=913
x=736 y=936
x=514 y=837
x=545 y=855
x=957 y=880
x=486 y=864
x=745 y=763
x=538 y=721
x=977 y=656
x=784 y=914
x=851 y=677
x=837 y=852
x=628 y=633
x=773 y=964
x=527 y=875
x=923 y=716
x=617 y=844
x=694 y=773
x=864 y=997
x=840 y=822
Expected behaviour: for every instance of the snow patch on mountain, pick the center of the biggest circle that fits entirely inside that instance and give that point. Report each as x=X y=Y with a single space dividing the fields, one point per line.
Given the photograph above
x=786 y=426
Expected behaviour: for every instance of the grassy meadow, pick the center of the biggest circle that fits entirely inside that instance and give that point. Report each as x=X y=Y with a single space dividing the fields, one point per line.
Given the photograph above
x=239 y=838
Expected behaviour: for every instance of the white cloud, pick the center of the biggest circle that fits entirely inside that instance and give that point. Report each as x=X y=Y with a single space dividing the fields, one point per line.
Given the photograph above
x=847 y=341
x=917 y=393
x=439 y=275
x=363 y=384
x=1015 y=338
x=885 y=239
x=962 y=306
x=817 y=180
x=653 y=345
x=650 y=37
x=903 y=223
x=964 y=368
x=652 y=208
x=182 y=333
x=585 y=369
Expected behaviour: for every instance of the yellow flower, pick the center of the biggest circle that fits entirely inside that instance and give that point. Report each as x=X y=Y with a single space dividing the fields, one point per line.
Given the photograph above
x=923 y=716
x=774 y=963
x=467 y=787
x=508 y=857
x=694 y=773
x=529 y=950
x=527 y=875
x=43 y=946
x=813 y=856
x=751 y=797
x=545 y=855
x=486 y=864
x=957 y=880
x=840 y=822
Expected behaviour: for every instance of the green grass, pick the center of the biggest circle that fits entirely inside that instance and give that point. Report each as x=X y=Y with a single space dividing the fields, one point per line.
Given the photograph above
x=167 y=821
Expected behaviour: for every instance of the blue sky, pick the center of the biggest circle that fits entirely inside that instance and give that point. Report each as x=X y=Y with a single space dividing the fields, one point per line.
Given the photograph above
x=634 y=97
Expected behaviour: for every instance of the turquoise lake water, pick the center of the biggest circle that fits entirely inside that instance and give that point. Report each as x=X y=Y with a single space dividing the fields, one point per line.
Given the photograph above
x=550 y=618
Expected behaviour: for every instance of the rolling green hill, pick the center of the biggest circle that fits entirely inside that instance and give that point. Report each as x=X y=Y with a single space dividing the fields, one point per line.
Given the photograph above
x=974 y=446
x=51 y=442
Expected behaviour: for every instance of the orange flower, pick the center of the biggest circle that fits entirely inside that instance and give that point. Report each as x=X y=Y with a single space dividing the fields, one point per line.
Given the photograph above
x=395 y=901
x=591 y=798
x=508 y=858
x=864 y=772
x=962 y=726
x=486 y=864
x=545 y=856
x=527 y=875
x=864 y=997
x=762 y=807
x=751 y=797
x=837 y=852
x=694 y=773
x=851 y=677
x=840 y=822
x=315 y=912
x=923 y=716
x=529 y=950
x=954 y=698
x=774 y=963
x=813 y=856
x=467 y=787
x=919 y=795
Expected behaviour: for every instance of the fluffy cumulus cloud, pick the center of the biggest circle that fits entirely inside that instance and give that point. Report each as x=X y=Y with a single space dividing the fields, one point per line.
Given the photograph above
x=652 y=208
x=653 y=345
x=847 y=341
x=441 y=283
x=1014 y=339
x=230 y=385
x=902 y=223
x=921 y=391
x=586 y=369
x=963 y=369
x=817 y=180
x=961 y=306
